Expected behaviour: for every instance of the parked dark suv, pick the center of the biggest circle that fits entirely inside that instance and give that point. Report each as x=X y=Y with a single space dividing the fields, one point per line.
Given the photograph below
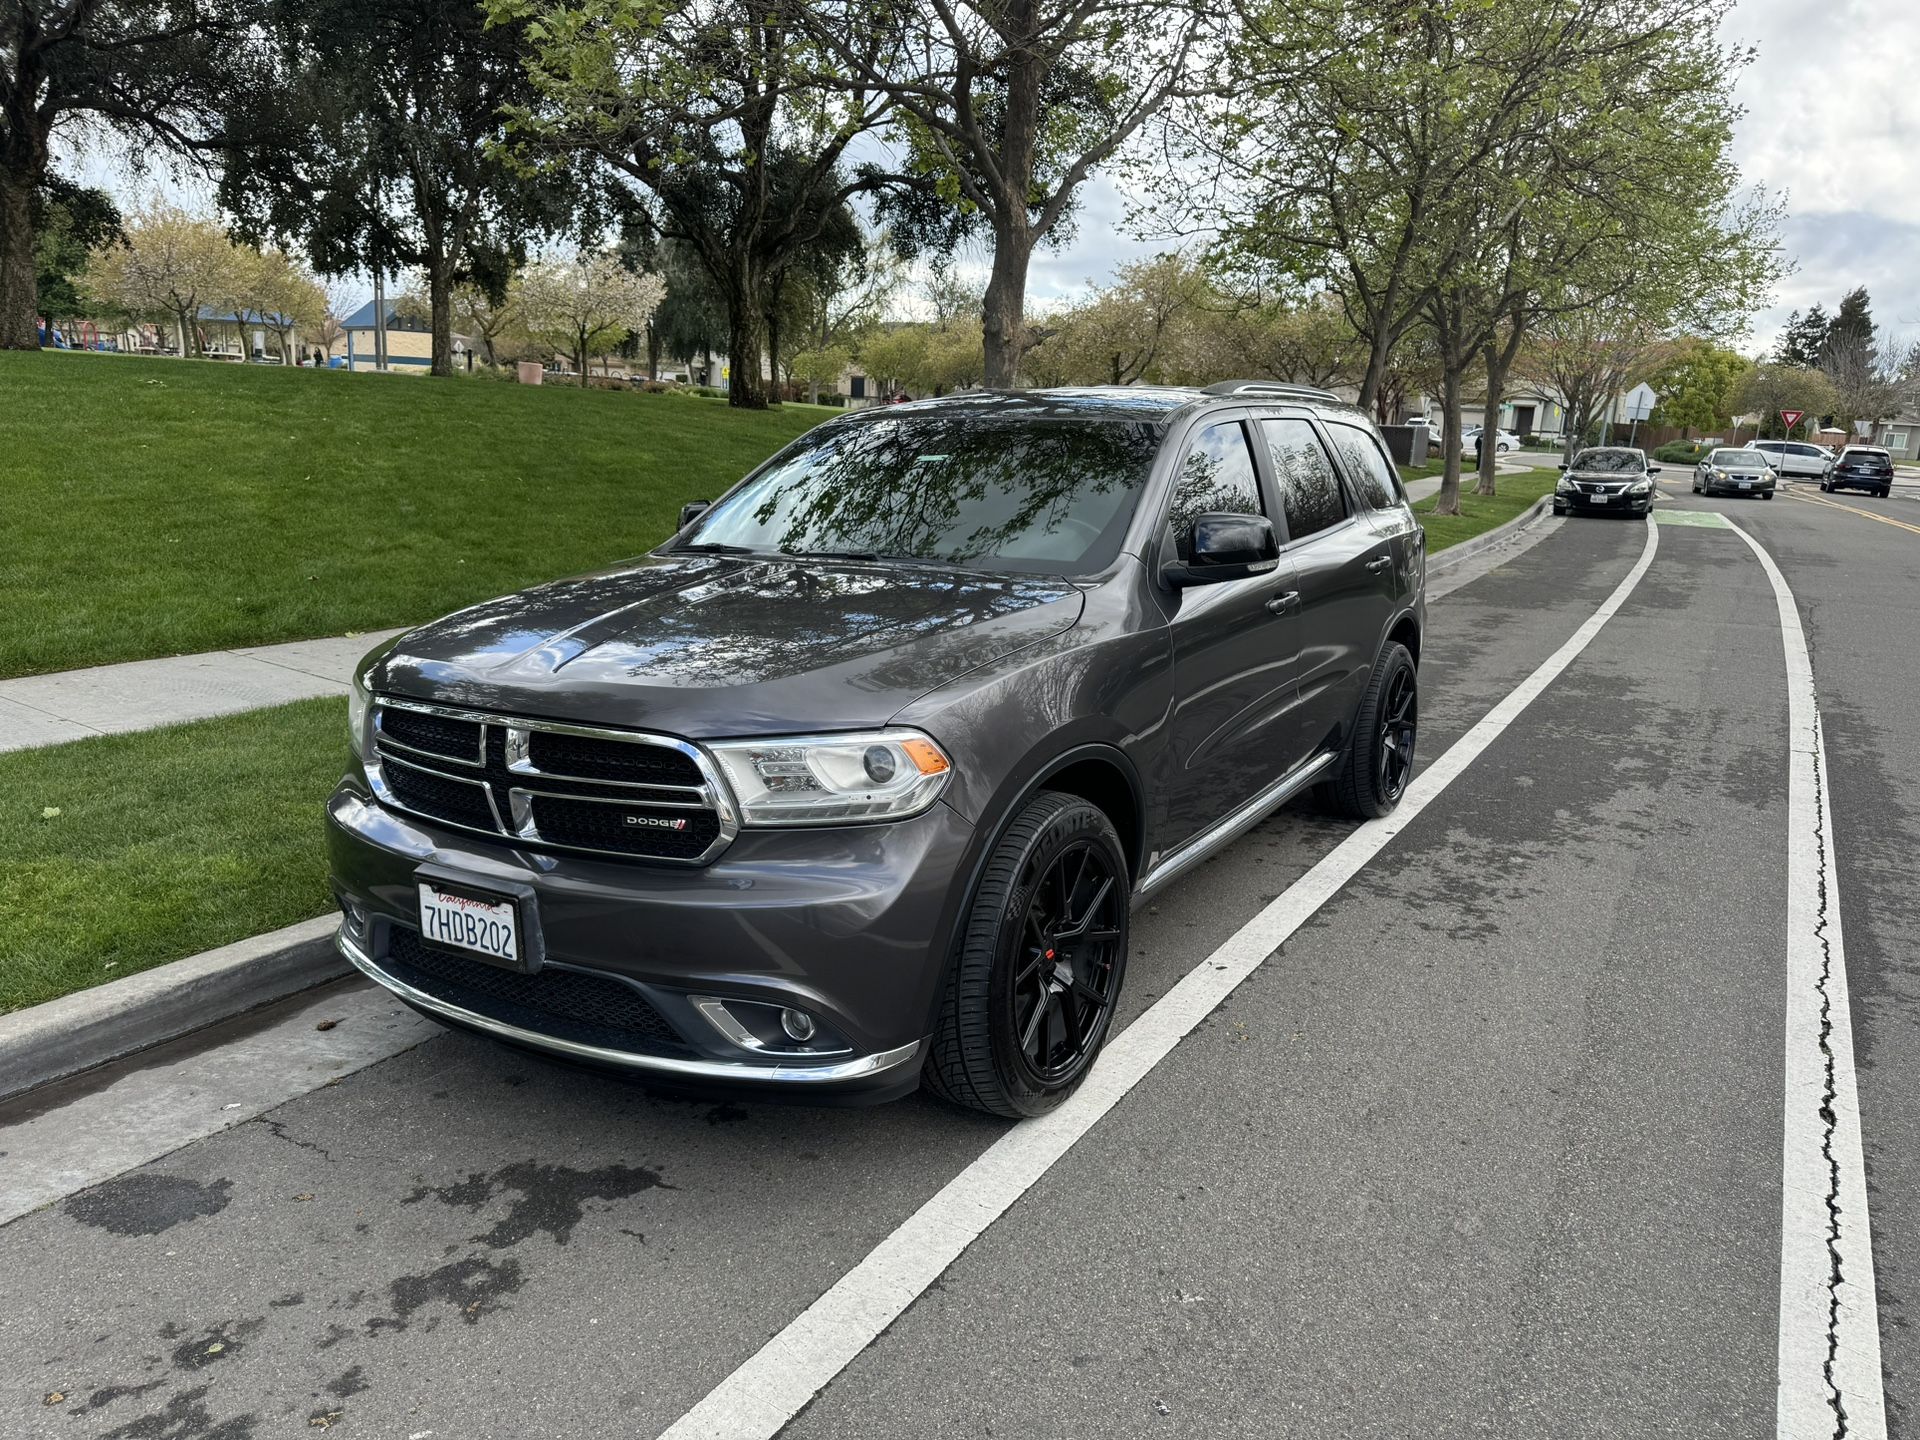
x=854 y=780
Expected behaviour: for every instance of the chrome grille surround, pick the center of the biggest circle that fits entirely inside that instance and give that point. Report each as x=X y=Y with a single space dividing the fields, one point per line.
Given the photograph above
x=500 y=767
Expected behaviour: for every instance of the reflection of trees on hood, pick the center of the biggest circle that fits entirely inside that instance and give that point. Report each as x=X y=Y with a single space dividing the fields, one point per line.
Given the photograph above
x=953 y=491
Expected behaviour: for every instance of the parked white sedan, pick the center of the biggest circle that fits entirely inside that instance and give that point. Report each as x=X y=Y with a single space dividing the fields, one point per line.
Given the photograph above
x=1505 y=440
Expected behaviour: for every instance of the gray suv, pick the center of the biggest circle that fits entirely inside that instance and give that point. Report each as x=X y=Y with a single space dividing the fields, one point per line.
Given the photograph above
x=852 y=783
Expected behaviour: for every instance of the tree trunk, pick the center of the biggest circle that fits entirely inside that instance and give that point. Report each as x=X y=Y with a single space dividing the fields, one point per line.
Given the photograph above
x=1490 y=422
x=19 y=293
x=580 y=356
x=653 y=353
x=1378 y=354
x=746 y=338
x=440 y=304
x=1003 y=312
x=1448 y=502
x=773 y=354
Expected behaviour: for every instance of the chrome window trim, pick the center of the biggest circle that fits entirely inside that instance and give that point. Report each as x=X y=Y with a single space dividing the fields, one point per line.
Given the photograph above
x=856 y=1068
x=518 y=827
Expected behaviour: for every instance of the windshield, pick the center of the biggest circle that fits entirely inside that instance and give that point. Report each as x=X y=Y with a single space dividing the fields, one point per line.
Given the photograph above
x=1047 y=496
x=1739 y=459
x=1623 y=462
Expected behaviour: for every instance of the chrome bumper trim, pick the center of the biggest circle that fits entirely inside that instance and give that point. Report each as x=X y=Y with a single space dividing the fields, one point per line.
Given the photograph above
x=859 y=1067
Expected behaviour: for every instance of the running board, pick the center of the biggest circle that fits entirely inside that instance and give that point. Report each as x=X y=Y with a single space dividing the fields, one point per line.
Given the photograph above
x=1234 y=825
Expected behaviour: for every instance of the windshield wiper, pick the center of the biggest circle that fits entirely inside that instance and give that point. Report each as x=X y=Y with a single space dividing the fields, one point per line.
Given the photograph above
x=882 y=556
x=712 y=547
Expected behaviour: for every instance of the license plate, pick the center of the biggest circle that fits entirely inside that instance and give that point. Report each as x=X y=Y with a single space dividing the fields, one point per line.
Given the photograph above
x=1598 y=499
x=487 y=928
x=1746 y=484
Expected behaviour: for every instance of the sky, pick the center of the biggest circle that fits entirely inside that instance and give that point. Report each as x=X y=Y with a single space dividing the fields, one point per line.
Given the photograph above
x=1832 y=122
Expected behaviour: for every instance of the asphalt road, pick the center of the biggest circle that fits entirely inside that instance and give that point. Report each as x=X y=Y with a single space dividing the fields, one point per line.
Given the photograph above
x=1491 y=1145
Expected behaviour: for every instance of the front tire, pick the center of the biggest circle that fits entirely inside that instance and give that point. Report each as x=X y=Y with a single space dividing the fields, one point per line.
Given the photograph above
x=1372 y=776
x=1042 y=953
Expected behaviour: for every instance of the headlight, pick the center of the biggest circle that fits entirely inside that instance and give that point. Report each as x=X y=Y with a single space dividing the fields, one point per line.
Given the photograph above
x=826 y=779
x=1565 y=487
x=1718 y=473
x=1640 y=487
x=357 y=715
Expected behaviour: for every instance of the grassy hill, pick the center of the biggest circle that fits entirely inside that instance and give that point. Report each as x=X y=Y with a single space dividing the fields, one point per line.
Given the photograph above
x=159 y=507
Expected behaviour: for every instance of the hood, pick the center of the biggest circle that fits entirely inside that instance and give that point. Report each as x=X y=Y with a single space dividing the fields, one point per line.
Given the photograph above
x=703 y=647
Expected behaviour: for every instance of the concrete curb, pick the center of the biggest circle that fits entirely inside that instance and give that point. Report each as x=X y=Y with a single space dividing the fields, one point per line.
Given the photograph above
x=1454 y=555
x=77 y=1032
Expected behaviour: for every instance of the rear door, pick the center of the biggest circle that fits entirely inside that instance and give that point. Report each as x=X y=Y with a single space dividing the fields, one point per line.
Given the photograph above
x=1234 y=649
x=1344 y=570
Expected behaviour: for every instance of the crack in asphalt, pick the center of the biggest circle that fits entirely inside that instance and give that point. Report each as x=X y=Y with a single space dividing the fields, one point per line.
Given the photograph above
x=1829 y=1120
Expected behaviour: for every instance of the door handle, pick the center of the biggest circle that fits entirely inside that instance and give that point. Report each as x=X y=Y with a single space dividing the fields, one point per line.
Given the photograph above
x=1280 y=604
x=1380 y=562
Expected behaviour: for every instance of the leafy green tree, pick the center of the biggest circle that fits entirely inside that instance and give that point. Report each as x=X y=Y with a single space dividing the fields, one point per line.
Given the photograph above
x=384 y=152
x=1004 y=108
x=165 y=265
x=1803 y=339
x=70 y=221
x=1771 y=387
x=154 y=72
x=718 y=114
x=587 y=305
x=1696 y=387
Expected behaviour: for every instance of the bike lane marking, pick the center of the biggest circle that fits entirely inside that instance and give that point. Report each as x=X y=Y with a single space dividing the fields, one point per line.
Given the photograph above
x=1829 y=1366
x=782 y=1377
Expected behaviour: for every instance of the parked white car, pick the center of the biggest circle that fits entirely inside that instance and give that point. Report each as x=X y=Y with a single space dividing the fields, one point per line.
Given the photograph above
x=1506 y=440
x=1796 y=457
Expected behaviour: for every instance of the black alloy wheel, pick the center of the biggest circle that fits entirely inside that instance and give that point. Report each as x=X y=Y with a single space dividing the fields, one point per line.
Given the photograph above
x=1371 y=777
x=1064 y=988
x=1040 y=960
x=1398 y=732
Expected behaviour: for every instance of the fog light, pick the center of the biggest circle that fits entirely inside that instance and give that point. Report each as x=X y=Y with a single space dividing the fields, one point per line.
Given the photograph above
x=356 y=917
x=798 y=1025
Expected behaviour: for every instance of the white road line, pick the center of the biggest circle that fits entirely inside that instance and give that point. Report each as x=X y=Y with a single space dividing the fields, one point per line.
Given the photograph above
x=771 y=1387
x=1829 y=1379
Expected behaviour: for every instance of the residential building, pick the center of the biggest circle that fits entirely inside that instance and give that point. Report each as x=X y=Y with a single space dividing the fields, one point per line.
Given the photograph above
x=409 y=342
x=1900 y=436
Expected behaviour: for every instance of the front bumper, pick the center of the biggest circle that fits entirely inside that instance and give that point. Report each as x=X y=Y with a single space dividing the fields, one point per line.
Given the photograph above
x=1735 y=487
x=850 y=925
x=1619 y=503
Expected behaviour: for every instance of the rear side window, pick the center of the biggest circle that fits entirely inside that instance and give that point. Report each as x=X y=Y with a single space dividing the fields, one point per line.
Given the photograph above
x=1309 y=489
x=1367 y=466
x=1217 y=477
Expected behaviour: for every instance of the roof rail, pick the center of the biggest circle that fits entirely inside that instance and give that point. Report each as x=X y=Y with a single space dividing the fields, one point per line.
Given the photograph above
x=1269 y=387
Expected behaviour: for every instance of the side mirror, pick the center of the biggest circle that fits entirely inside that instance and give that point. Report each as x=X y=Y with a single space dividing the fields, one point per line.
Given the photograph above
x=1653 y=469
x=692 y=511
x=1226 y=547
x=1563 y=464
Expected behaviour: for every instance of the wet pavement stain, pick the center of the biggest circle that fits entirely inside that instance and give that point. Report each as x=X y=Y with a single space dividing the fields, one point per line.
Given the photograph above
x=216 y=1342
x=473 y=1286
x=104 y=1396
x=552 y=1198
x=147 y=1204
x=348 y=1383
x=185 y=1417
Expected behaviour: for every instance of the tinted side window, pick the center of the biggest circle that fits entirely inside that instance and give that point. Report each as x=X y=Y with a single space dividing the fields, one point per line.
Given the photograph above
x=1309 y=489
x=1216 y=477
x=1367 y=466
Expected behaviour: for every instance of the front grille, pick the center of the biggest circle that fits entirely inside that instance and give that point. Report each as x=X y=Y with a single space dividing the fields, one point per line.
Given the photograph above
x=578 y=1005
x=636 y=797
x=629 y=829
x=592 y=758
x=434 y=734
x=461 y=801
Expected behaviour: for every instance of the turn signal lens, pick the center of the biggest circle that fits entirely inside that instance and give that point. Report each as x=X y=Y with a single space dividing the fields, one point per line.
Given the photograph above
x=926 y=756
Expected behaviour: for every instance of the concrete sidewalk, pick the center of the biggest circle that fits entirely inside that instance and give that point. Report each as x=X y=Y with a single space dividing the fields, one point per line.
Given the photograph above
x=145 y=694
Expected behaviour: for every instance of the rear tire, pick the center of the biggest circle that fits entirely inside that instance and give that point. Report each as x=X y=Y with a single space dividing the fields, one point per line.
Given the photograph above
x=1372 y=775
x=1885 y=491
x=1042 y=954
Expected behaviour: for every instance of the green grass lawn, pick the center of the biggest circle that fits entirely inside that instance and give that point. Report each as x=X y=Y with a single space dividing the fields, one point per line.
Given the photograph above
x=165 y=843
x=1480 y=513
x=158 y=507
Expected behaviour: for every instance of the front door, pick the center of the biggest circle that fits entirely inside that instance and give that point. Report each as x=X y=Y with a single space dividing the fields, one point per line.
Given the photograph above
x=1234 y=644
x=1344 y=563
x=1523 y=419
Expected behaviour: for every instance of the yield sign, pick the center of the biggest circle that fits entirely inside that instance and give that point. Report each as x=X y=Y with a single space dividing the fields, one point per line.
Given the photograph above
x=1792 y=417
